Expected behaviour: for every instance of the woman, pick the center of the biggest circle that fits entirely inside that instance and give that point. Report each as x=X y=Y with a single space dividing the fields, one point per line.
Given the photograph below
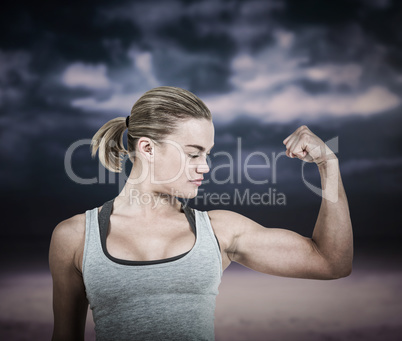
x=150 y=267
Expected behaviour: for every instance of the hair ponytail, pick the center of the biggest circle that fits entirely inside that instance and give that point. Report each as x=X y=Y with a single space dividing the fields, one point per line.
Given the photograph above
x=155 y=115
x=108 y=141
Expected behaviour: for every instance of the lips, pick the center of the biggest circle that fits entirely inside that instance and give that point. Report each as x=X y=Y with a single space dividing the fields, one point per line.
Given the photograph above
x=197 y=182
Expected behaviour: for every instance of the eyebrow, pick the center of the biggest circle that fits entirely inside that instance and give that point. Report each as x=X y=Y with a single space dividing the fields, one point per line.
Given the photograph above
x=200 y=148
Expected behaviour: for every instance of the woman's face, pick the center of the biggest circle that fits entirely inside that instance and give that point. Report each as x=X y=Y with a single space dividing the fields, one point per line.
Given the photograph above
x=180 y=162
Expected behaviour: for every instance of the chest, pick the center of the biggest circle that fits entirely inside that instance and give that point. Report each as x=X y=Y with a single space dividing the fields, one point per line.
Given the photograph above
x=197 y=273
x=138 y=240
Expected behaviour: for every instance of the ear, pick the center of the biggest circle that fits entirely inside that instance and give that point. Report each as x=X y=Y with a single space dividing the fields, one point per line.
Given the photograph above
x=146 y=148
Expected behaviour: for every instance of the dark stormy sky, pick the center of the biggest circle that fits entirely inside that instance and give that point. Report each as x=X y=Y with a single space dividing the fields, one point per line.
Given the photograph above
x=262 y=67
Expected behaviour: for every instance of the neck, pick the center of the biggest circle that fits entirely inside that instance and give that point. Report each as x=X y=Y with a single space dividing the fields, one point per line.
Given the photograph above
x=141 y=198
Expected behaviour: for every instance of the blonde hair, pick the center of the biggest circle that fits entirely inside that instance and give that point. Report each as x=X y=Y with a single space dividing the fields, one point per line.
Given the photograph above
x=155 y=115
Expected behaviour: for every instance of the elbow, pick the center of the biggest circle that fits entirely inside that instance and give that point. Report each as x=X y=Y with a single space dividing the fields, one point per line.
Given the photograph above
x=341 y=271
x=340 y=267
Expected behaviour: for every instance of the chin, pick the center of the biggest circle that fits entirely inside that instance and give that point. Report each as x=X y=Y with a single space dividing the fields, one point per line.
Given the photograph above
x=185 y=192
x=187 y=195
x=191 y=195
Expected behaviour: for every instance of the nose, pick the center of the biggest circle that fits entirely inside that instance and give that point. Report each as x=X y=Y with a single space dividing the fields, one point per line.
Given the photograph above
x=203 y=168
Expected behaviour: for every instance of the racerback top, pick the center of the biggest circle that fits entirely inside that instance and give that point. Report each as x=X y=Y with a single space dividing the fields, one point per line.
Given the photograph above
x=168 y=299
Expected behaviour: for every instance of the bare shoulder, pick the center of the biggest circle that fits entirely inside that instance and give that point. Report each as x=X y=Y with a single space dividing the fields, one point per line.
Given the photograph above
x=228 y=225
x=70 y=230
x=221 y=218
x=67 y=243
x=230 y=221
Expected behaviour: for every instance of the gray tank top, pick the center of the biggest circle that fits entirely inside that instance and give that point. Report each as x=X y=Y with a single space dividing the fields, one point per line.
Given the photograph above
x=168 y=299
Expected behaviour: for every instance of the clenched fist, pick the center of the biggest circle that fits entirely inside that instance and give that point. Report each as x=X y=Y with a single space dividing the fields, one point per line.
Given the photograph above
x=307 y=146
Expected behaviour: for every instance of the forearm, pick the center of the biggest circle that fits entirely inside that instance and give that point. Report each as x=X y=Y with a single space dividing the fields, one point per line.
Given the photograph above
x=332 y=233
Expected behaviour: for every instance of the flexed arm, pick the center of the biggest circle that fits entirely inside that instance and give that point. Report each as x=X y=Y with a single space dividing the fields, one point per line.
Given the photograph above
x=332 y=233
x=326 y=255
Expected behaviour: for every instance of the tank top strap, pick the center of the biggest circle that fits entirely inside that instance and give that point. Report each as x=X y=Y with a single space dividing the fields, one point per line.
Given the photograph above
x=104 y=218
x=190 y=215
x=92 y=246
x=106 y=211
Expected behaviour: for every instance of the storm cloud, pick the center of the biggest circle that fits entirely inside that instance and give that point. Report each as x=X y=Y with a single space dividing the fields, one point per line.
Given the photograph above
x=262 y=67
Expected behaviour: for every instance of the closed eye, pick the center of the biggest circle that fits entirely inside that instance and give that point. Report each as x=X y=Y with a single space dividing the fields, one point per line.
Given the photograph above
x=194 y=156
